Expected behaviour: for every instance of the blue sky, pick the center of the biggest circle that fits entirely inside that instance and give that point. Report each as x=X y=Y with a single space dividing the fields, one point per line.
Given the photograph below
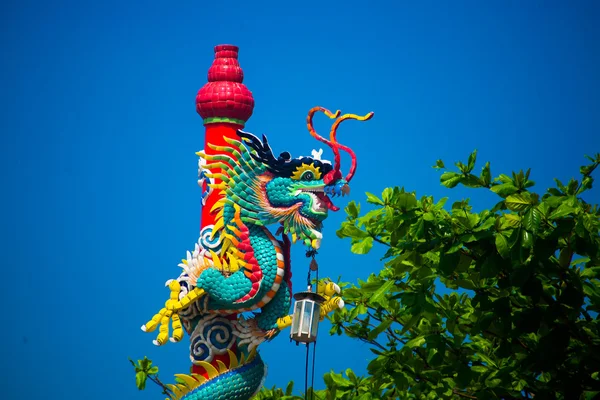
x=99 y=132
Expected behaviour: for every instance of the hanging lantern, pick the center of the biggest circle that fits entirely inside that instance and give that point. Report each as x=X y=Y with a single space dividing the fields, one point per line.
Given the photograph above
x=305 y=320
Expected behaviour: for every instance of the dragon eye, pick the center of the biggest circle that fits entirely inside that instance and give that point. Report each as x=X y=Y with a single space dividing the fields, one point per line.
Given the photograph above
x=306 y=172
x=308 y=176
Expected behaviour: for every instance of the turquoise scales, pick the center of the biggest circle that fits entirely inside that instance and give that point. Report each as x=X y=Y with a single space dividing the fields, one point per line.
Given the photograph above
x=239 y=266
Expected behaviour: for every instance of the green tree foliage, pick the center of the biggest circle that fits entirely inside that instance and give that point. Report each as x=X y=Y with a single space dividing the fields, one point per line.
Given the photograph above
x=144 y=370
x=518 y=317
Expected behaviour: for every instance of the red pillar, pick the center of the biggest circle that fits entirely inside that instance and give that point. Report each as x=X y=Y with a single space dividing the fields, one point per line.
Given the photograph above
x=225 y=104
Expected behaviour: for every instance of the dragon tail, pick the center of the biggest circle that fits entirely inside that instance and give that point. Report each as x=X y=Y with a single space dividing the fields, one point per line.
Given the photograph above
x=240 y=381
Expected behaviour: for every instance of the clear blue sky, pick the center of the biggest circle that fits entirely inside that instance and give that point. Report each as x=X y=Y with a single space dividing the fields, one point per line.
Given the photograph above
x=99 y=132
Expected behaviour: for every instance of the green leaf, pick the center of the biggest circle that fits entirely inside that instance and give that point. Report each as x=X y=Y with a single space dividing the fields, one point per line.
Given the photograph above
x=582 y=260
x=505 y=179
x=465 y=284
x=470 y=181
x=406 y=201
x=428 y=216
x=380 y=328
x=371 y=198
x=532 y=220
x=487 y=359
x=411 y=322
x=504 y=189
x=502 y=245
x=487 y=224
x=450 y=179
x=512 y=220
x=380 y=293
x=416 y=342
x=339 y=380
x=289 y=389
x=153 y=370
x=140 y=380
x=417 y=230
x=562 y=211
x=591 y=272
x=554 y=201
x=352 y=231
x=472 y=160
x=586 y=184
x=352 y=210
x=486 y=175
x=518 y=202
x=439 y=164
x=145 y=363
x=363 y=246
x=526 y=239
x=350 y=374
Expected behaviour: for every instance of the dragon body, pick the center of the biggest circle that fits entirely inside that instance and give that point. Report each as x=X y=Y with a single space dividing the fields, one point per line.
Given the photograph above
x=234 y=290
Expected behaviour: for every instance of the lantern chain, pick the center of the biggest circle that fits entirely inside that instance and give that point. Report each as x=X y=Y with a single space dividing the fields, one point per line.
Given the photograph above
x=311 y=253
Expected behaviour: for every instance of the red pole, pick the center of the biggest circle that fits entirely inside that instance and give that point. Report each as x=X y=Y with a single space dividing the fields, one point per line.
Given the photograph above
x=225 y=104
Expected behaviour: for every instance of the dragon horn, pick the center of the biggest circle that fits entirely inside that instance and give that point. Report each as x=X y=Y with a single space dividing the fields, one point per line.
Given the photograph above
x=333 y=139
x=311 y=129
x=333 y=143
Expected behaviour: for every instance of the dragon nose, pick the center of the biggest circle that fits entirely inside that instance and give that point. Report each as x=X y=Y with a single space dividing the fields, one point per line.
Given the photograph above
x=340 y=188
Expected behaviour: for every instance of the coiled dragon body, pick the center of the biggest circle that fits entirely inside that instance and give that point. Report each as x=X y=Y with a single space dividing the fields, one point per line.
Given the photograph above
x=238 y=265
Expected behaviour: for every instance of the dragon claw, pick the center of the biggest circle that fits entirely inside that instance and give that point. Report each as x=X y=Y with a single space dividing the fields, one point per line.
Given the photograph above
x=143 y=328
x=336 y=288
x=167 y=283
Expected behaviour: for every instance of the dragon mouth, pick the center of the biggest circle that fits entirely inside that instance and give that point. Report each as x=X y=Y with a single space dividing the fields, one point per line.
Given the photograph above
x=321 y=202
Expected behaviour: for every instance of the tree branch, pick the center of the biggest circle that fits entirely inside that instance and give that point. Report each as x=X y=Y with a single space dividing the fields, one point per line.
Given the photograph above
x=461 y=394
x=165 y=389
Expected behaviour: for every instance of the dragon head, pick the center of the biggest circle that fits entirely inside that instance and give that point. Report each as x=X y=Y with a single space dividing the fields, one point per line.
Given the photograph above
x=295 y=192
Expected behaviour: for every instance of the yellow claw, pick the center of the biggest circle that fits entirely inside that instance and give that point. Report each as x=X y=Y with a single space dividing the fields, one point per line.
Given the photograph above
x=327 y=288
x=186 y=300
x=169 y=313
x=284 y=322
x=163 y=336
x=151 y=325
x=330 y=305
x=177 y=329
x=175 y=288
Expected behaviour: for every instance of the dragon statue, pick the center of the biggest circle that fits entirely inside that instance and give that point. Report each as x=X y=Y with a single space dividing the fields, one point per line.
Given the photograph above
x=234 y=290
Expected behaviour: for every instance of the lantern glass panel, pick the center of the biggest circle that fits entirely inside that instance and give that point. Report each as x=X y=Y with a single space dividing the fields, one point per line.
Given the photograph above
x=315 y=320
x=307 y=317
x=296 y=317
